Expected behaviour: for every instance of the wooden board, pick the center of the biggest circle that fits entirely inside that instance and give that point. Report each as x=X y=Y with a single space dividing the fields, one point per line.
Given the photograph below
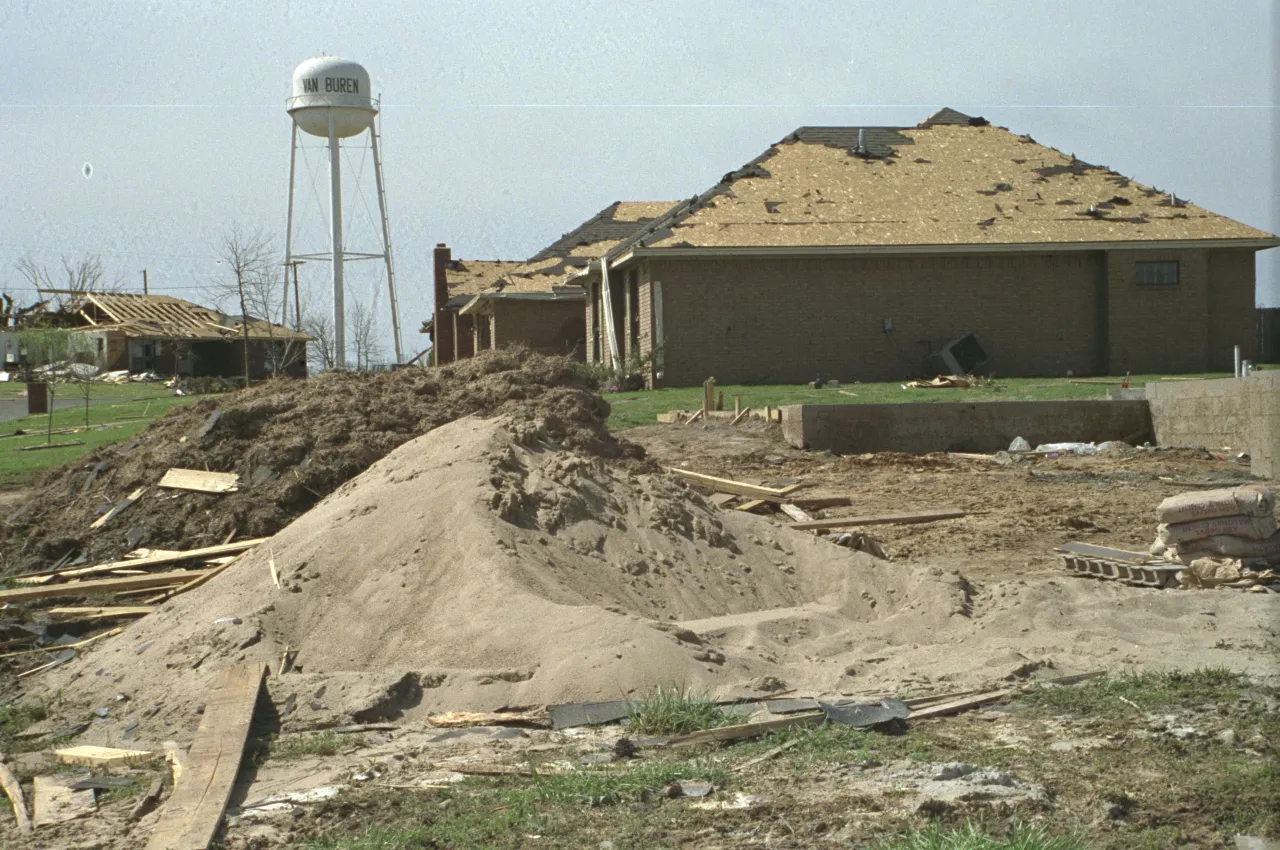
x=118 y=507
x=794 y=512
x=201 y=481
x=204 y=553
x=190 y=819
x=12 y=790
x=466 y=719
x=88 y=612
x=751 y=506
x=1122 y=555
x=881 y=519
x=55 y=802
x=105 y=585
x=746 y=730
x=725 y=485
x=101 y=755
x=820 y=502
x=958 y=705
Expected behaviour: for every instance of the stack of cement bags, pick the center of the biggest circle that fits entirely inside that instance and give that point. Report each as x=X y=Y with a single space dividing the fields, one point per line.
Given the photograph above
x=1238 y=522
x=1219 y=533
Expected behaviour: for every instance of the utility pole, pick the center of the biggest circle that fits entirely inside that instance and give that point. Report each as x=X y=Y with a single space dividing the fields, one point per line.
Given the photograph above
x=145 y=290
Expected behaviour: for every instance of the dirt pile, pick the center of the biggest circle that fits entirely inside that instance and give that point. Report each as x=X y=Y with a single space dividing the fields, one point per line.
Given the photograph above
x=484 y=565
x=292 y=443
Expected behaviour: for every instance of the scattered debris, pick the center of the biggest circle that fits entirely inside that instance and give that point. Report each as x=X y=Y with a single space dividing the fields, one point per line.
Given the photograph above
x=98 y=756
x=904 y=518
x=56 y=802
x=200 y=481
x=9 y=785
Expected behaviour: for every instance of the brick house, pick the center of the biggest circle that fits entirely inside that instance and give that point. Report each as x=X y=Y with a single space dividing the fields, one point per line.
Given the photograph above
x=484 y=304
x=858 y=253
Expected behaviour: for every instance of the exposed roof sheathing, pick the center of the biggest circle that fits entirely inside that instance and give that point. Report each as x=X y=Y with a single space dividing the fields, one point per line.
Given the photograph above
x=173 y=318
x=953 y=180
x=467 y=277
x=598 y=234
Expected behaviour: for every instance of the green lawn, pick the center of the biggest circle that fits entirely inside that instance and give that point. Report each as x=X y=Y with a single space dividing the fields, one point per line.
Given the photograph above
x=640 y=408
x=108 y=423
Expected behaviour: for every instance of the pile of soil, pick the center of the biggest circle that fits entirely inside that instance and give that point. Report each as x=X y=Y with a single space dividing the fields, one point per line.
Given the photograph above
x=292 y=443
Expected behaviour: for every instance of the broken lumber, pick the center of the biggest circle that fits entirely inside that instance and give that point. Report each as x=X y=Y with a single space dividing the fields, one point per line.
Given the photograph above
x=465 y=719
x=794 y=512
x=739 y=488
x=89 y=612
x=98 y=756
x=694 y=417
x=150 y=561
x=751 y=506
x=13 y=790
x=190 y=819
x=200 y=481
x=962 y=704
x=62 y=646
x=49 y=446
x=743 y=731
x=740 y=415
x=765 y=756
x=820 y=502
x=56 y=802
x=105 y=585
x=880 y=519
x=118 y=507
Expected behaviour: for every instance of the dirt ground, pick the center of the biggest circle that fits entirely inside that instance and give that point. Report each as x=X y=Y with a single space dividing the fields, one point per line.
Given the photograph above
x=531 y=558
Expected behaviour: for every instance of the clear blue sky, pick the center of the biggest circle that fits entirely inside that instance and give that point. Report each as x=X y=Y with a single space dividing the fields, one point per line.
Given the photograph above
x=506 y=124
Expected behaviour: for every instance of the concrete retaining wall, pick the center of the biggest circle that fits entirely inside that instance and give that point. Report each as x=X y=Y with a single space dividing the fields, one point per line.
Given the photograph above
x=1243 y=415
x=961 y=426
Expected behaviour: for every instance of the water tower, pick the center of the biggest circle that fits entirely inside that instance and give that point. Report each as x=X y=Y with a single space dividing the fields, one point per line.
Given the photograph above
x=331 y=99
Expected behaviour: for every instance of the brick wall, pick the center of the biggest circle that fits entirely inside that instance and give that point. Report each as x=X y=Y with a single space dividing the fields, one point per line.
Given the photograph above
x=552 y=327
x=1158 y=328
x=1233 y=319
x=788 y=320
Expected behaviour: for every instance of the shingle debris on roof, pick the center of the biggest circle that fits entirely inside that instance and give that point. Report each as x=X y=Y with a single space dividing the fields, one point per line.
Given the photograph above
x=815 y=188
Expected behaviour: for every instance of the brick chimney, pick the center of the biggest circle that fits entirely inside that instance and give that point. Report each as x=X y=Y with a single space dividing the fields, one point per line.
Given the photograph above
x=442 y=341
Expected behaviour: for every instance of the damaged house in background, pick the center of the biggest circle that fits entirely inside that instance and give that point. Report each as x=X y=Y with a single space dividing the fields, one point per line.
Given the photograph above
x=170 y=336
x=858 y=253
x=483 y=304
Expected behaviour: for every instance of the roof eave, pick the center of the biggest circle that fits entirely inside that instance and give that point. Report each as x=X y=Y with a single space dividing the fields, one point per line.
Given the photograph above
x=943 y=248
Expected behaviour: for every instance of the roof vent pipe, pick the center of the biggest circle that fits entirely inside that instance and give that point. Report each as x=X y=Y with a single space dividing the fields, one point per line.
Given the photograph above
x=862 y=141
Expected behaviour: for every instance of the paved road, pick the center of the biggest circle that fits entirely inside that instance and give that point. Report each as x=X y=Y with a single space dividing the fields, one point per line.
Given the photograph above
x=16 y=408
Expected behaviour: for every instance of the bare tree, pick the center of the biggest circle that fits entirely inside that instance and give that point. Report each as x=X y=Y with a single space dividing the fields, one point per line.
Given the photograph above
x=78 y=276
x=319 y=326
x=364 y=333
x=248 y=255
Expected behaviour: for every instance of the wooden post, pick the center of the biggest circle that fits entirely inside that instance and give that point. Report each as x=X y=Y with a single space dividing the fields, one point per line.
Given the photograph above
x=708 y=396
x=720 y=400
x=737 y=405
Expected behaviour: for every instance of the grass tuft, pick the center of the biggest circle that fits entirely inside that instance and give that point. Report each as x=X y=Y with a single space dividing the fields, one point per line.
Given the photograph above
x=972 y=838
x=1145 y=690
x=677 y=711
x=309 y=746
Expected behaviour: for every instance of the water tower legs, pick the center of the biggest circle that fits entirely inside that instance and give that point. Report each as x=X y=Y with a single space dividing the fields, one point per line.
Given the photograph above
x=335 y=214
x=288 y=227
x=386 y=240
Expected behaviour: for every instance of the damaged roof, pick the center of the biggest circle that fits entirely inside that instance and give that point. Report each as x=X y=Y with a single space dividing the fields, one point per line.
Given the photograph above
x=952 y=180
x=166 y=317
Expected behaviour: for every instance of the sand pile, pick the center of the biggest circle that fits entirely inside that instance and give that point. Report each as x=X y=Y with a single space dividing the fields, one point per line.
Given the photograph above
x=292 y=443
x=488 y=564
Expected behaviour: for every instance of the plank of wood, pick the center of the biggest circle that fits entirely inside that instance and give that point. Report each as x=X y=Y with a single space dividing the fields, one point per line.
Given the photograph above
x=820 y=502
x=751 y=506
x=204 y=553
x=64 y=646
x=880 y=519
x=200 y=481
x=746 y=730
x=465 y=719
x=89 y=612
x=118 y=507
x=190 y=819
x=962 y=704
x=740 y=415
x=55 y=802
x=94 y=756
x=105 y=585
x=765 y=756
x=695 y=416
x=13 y=790
x=191 y=585
x=50 y=446
x=794 y=512
x=725 y=485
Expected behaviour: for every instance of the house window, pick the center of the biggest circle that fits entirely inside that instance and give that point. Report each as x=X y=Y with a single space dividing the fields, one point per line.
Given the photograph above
x=1156 y=274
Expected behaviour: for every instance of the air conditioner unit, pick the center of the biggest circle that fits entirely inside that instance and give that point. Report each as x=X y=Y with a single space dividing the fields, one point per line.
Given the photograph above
x=963 y=355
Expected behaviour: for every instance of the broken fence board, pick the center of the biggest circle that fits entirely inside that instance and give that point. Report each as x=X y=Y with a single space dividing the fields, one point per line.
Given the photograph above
x=200 y=481
x=725 y=485
x=880 y=519
x=105 y=585
x=746 y=730
x=152 y=560
x=963 y=704
x=740 y=416
x=190 y=819
x=12 y=790
x=97 y=756
x=55 y=801
x=118 y=507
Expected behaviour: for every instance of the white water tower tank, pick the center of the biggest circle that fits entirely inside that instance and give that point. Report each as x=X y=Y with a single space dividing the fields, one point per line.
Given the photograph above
x=328 y=86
